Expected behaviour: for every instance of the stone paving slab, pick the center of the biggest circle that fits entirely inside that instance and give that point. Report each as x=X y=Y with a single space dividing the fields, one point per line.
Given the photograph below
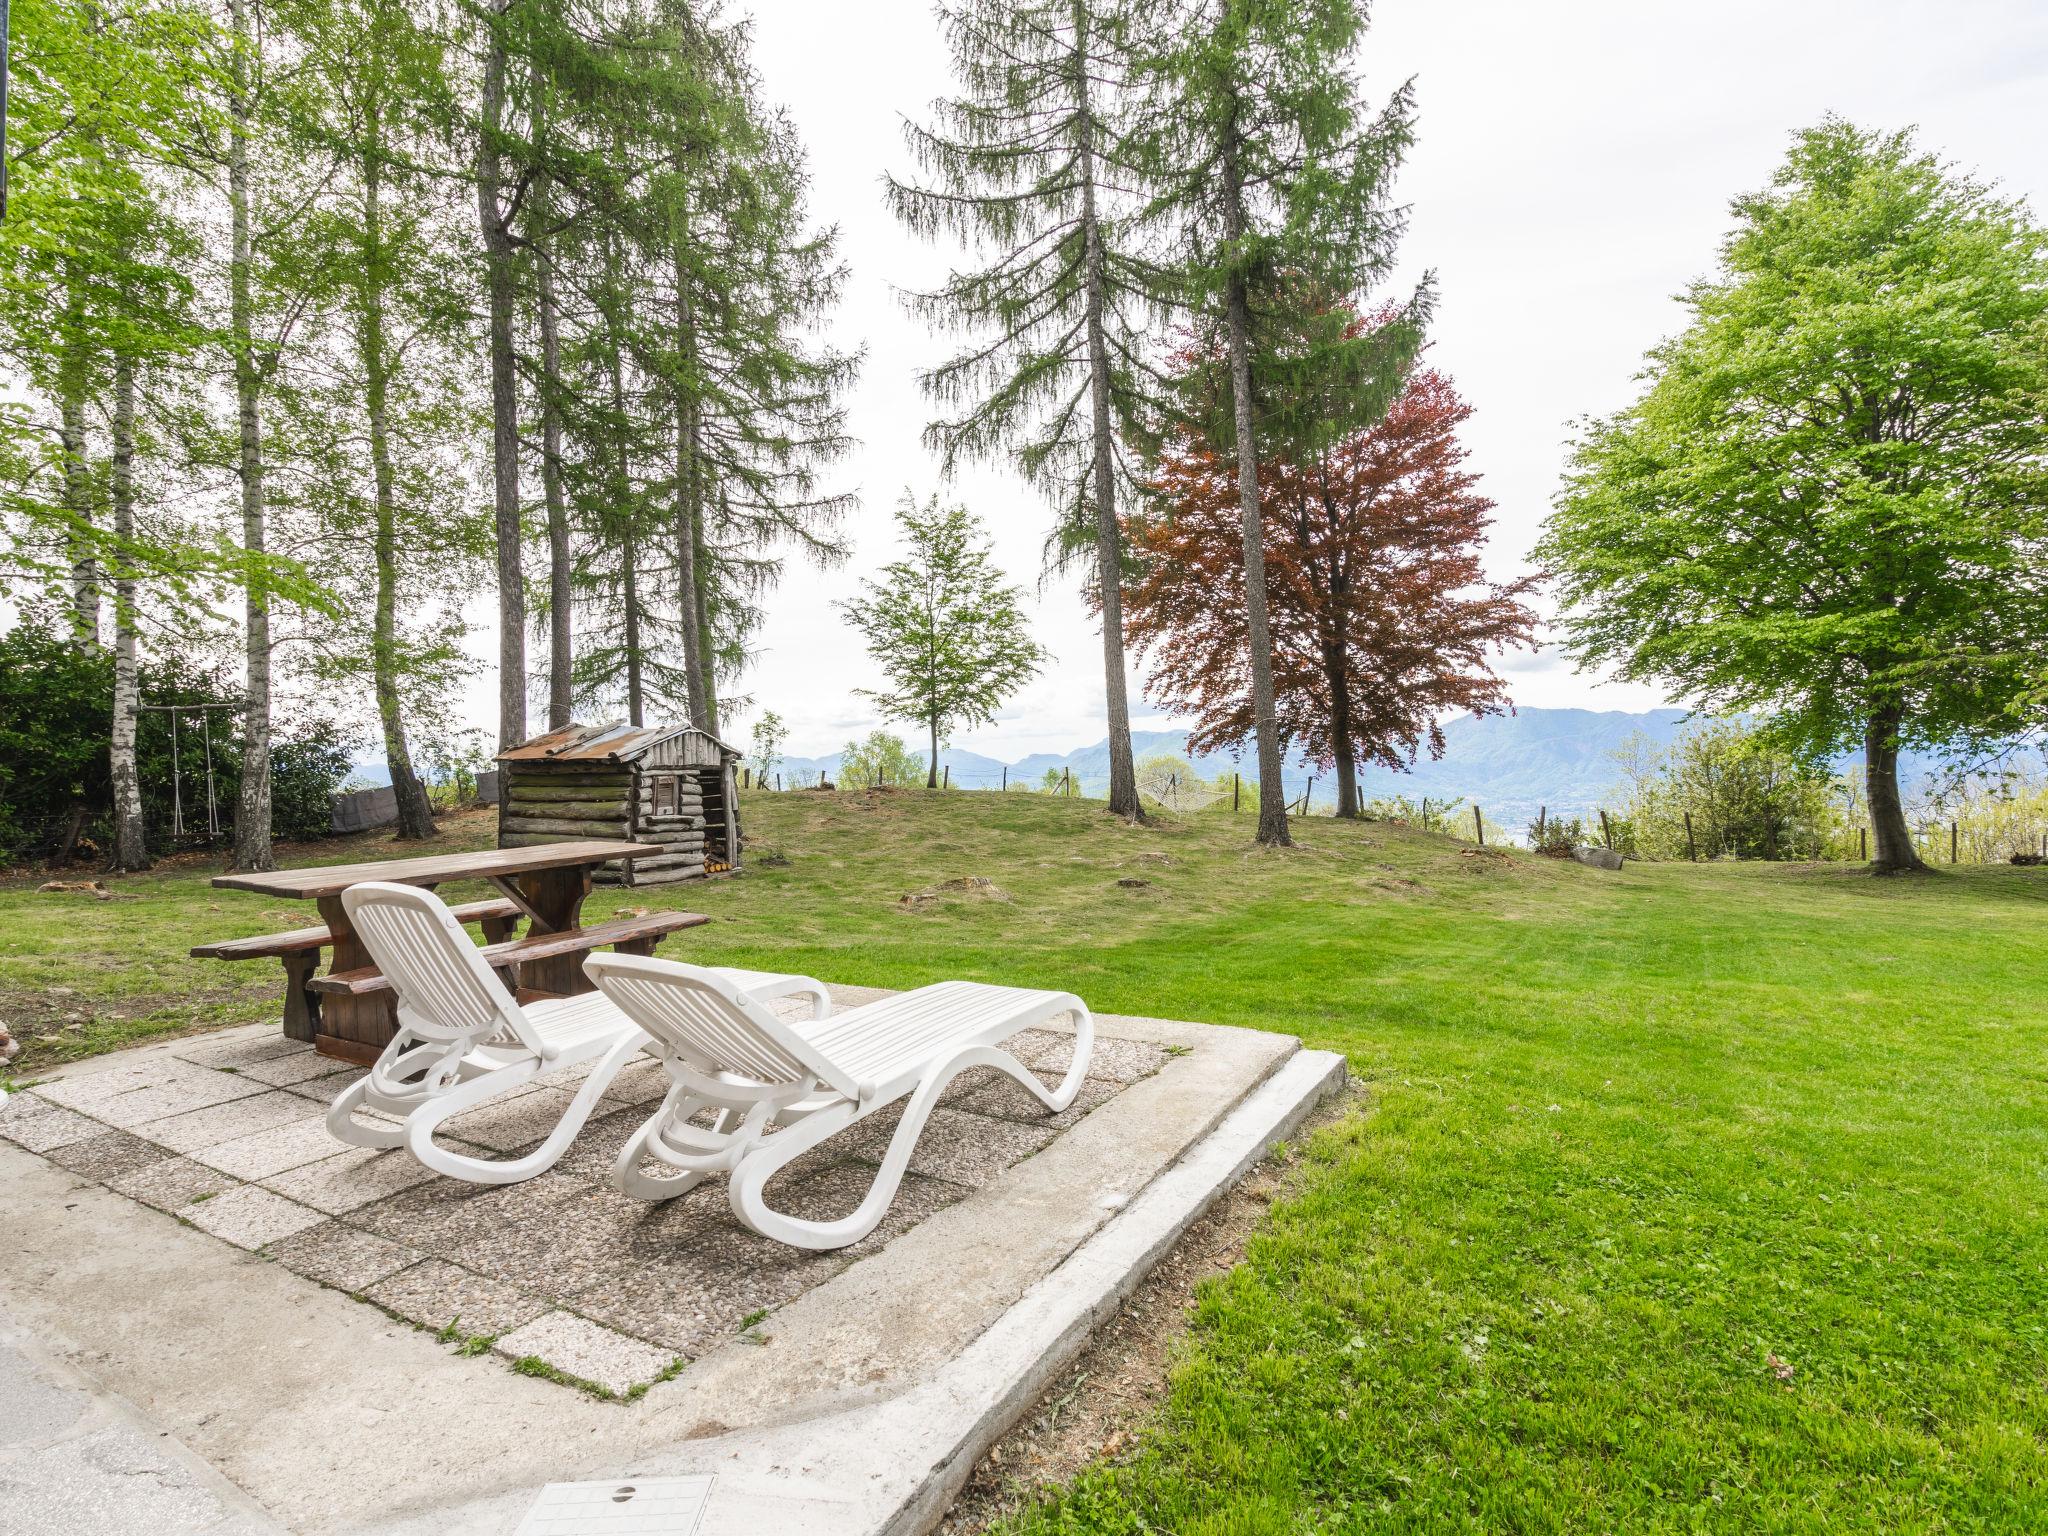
x=343 y=1257
x=577 y=1347
x=436 y=1295
x=276 y=1150
x=209 y=1126
x=172 y=1184
x=108 y=1155
x=350 y=1180
x=249 y=1217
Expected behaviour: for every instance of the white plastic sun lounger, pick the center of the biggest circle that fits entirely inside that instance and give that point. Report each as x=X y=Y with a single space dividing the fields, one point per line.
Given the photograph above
x=728 y=1055
x=463 y=1039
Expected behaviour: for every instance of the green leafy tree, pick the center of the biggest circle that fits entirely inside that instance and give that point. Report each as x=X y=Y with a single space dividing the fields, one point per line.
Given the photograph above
x=948 y=631
x=1830 y=504
x=1263 y=160
x=768 y=738
x=1029 y=163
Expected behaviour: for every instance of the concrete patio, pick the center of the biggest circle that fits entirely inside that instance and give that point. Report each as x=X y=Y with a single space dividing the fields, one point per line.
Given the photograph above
x=333 y=1339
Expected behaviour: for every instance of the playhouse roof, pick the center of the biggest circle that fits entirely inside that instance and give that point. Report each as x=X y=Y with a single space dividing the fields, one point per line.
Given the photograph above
x=614 y=743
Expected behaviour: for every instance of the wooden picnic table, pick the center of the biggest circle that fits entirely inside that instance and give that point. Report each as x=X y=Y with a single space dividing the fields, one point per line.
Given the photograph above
x=349 y=1012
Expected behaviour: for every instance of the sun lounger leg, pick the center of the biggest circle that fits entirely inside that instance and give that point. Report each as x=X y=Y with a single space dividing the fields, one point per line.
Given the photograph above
x=751 y=1177
x=423 y=1122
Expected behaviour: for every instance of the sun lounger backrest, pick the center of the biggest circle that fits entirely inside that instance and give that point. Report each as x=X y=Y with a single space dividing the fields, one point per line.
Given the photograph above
x=446 y=989
x=710 y=1022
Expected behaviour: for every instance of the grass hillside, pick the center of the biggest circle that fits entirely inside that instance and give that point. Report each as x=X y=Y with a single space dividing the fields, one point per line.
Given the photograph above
x=1688 y=1198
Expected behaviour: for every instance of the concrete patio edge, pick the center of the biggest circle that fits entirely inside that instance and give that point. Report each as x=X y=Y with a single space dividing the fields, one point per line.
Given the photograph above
x=831 y=1476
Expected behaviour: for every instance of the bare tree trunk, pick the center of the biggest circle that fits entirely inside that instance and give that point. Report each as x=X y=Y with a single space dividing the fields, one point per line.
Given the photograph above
x=252 y=795
x=931 y=778
x=1123 y=773
x=561 y=641
x=504 y=399
x=415 y=810
x=1340 y=734
x=131 y=844
x=1892 y=841
x=1272 y=795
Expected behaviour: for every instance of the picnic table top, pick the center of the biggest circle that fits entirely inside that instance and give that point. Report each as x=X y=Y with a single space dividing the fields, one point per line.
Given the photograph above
x=435 y=869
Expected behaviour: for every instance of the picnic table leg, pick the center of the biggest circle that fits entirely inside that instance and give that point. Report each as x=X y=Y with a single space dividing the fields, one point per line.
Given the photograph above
x=352 y=1028
x=555 y=897
x=301 y=1002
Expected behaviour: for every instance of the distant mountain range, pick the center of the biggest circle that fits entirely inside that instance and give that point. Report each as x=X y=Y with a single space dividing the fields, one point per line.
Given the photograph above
x=1509 y=765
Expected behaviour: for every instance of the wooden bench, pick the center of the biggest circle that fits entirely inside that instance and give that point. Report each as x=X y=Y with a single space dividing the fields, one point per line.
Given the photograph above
x=299 y=949
x=631 y=935
x=496 y=912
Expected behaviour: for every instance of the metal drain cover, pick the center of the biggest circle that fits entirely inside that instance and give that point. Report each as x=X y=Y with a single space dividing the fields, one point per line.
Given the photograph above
x=627 y=1506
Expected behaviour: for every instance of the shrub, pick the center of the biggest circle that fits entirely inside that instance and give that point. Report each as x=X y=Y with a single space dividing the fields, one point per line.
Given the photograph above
x=1556 y=836
x=881 y=758
x=304 y=774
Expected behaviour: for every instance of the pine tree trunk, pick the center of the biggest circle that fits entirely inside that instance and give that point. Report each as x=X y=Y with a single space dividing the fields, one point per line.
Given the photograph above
x=252 y=795
x=415 y=810
x=707 y=650
x=1123 y=774
x=504 y=399
x=1892 y=841
x=1272 y=795
x=131 y=845
x=561 y=640
x=71 y=387
x=629 y=563
x=688 y=470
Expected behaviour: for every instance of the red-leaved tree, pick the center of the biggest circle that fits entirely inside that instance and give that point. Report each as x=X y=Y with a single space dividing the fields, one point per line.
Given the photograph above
x=1382 y=620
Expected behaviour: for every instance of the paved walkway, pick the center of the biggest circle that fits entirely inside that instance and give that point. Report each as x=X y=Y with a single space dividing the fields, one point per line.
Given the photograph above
x=79 y=1462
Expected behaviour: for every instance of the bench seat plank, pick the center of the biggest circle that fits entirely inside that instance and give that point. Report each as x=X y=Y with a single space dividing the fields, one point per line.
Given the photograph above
x=298 y=940
x=540 y=946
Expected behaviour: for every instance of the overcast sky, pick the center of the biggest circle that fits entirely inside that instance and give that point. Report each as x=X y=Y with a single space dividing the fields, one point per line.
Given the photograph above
x=1574 y=169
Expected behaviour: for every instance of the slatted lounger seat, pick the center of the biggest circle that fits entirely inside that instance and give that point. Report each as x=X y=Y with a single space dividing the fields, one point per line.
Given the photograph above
x=464 y=1039
x=728 y=1055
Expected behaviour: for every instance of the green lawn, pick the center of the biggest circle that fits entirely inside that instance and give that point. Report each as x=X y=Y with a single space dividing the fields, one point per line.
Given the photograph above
x=1686 y=1198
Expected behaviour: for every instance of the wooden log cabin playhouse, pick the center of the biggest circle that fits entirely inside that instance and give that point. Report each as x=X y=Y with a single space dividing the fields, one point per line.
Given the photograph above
x=673 y=785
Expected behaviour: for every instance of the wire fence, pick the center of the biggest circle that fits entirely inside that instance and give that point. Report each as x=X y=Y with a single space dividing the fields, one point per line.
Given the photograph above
x=1950 y=842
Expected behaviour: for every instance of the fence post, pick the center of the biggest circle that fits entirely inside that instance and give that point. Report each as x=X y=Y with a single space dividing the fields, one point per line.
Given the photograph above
x=1541 y=812
x=1863 y=844
x=778 y=783
x=821 y=778
x=1305 y=794
x=1954 y=841
x=946 y=776
x=1067 y=782
x=1006 y=778
x=1692 y=849
x=1233 y=794
x=1606 y=832
x=1478 y=827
